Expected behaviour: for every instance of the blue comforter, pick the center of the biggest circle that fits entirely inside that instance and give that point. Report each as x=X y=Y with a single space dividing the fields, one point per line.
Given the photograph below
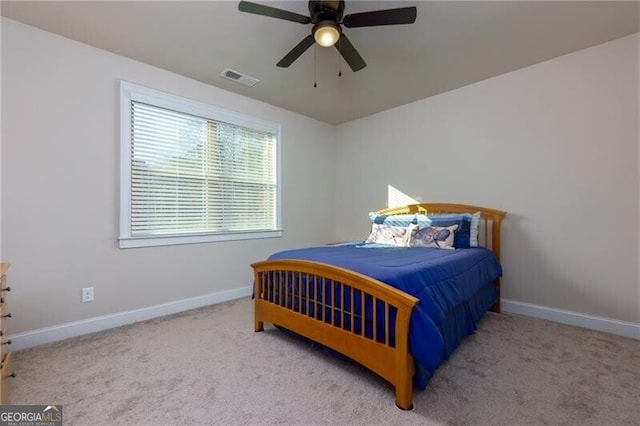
x=455 y=288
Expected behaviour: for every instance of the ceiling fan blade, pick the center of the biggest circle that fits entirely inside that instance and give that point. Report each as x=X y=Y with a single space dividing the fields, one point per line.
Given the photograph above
x=403 y=15
x=259 y=9
x=295 y=53
x=350 y=54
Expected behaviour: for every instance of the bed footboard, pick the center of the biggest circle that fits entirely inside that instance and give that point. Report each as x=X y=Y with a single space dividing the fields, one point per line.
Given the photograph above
x=356 y=315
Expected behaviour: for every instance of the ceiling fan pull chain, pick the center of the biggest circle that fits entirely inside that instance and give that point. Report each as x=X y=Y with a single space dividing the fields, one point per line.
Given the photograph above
x=315 y=66
x=340 y=58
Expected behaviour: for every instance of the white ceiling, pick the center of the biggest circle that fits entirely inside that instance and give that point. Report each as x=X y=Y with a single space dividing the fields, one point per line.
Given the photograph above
x=452 y=44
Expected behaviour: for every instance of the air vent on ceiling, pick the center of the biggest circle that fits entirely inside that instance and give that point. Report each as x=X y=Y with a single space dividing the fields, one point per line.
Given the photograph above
x=239 y=77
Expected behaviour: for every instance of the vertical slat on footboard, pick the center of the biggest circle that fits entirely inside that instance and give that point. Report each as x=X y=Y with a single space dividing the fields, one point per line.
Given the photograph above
x=342 y=313
x=362 y=314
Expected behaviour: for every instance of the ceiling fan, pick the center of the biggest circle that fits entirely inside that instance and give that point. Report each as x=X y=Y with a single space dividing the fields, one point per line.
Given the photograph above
x=327 y=19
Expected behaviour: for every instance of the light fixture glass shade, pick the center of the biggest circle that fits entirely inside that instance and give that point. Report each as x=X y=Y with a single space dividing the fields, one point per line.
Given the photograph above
x=326 y=34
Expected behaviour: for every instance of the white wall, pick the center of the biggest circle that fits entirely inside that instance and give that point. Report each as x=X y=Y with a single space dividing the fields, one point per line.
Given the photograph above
x=60 y=143
x=554 y=144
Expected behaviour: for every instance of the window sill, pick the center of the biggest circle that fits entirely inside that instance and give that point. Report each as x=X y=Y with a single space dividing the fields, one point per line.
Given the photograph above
x=133 y=242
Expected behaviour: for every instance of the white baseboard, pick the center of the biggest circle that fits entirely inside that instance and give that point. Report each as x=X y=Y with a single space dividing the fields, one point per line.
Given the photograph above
x=77 y=328
x=608 y=325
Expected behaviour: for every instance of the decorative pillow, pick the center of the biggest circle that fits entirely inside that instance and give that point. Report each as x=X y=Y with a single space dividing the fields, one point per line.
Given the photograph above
x=433 y=236
x=389 y=234
x=468 y=225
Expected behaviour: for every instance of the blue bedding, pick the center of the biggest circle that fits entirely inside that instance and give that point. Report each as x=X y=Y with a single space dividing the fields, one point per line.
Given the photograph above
x=455 y=288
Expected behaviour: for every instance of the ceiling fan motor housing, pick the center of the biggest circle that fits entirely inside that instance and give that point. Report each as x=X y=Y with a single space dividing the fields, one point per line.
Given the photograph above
x=326 y=11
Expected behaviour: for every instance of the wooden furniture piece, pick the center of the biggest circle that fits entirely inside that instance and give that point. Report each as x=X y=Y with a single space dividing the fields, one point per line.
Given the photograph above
x=280 y=299
x=6 y=373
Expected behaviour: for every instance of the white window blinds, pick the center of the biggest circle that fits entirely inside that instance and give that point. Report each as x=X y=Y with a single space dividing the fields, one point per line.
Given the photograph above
x=191 y=175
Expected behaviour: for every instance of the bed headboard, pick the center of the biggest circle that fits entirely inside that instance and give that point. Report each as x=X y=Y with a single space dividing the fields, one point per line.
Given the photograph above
x=490 y=219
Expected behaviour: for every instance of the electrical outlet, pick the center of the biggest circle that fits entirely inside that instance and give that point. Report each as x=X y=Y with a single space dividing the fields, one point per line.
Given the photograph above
x=87 y=294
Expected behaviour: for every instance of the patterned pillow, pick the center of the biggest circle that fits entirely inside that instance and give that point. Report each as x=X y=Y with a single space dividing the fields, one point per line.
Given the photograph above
x=433 y=236
x=389 y=234
x=468 y=225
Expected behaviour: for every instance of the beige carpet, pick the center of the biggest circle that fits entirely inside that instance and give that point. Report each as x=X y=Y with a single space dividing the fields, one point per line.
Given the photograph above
x=207 y=366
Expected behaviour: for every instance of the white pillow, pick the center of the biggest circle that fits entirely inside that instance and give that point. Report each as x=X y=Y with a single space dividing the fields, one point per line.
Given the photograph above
x=389 y=234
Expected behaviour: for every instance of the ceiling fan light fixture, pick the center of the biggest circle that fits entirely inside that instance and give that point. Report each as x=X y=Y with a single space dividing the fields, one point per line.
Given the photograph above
x=326 y=33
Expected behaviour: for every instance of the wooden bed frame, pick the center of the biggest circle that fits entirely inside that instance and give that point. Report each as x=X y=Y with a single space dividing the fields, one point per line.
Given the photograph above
x=276 y=303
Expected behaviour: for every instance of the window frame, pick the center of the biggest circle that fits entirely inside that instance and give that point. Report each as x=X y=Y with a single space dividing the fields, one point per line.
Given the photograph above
x=132 y=92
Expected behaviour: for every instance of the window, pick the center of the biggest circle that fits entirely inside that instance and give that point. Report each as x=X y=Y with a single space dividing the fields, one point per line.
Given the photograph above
x=192 y=172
